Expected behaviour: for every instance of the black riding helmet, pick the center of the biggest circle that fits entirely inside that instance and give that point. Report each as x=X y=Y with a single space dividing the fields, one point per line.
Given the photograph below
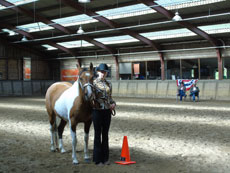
x=103 y=67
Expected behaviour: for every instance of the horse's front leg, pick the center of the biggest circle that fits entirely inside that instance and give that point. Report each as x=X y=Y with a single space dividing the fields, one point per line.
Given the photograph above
x=86 y=138
x=73 y=125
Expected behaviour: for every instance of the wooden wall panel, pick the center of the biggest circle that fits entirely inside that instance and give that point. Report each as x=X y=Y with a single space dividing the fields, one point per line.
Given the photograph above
x=3 y=69
x=11 y=65
x=40 y=70
x=13 y=72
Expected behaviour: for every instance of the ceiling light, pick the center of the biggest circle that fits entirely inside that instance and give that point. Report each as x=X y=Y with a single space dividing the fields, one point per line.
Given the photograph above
x=80 y=30
x=24 y=38
x=83 y=1
x=177 y=17
x=194 y=66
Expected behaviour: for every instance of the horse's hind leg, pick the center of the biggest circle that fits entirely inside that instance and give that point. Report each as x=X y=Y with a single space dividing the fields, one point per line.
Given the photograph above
x=86 y=139
x=53 y=132
x=60 y=132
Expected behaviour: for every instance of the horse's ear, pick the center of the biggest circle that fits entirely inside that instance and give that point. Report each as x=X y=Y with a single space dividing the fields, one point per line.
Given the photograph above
x=91 y=66
x=78 y=66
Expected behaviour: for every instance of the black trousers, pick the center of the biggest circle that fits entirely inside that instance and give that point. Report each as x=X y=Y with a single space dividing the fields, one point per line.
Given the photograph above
x=101 y=122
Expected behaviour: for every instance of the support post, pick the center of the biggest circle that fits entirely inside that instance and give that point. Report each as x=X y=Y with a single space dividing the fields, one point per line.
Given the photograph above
x=220 y=64
x=7 y=69
x=162 y=66
x=199 y=68
x=117 y=67
x=79 y=62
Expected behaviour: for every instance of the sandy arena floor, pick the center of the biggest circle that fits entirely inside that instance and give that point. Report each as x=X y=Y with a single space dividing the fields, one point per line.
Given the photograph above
x=163 y=136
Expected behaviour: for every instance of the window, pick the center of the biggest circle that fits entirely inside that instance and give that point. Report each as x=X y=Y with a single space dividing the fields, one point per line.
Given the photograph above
x=208 y=68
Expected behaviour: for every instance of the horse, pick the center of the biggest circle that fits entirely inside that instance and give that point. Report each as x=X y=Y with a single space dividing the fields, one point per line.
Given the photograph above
x=72 y=104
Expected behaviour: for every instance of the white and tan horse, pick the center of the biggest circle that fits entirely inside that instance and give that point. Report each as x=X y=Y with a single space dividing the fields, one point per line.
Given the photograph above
x=72 y=104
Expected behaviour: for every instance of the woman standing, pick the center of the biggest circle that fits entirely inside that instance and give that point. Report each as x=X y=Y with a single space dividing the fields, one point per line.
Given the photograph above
x=102 y=110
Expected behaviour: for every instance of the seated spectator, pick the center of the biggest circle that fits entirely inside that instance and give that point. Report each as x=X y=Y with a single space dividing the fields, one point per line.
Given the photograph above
x=181 y=91
x=194 y=91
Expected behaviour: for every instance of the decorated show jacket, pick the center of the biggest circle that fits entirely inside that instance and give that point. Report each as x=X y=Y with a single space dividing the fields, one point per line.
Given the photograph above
x=103 y=94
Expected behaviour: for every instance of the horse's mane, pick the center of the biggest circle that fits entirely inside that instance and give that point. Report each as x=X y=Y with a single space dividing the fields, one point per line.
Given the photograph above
x=83 y=70
x=86 y=69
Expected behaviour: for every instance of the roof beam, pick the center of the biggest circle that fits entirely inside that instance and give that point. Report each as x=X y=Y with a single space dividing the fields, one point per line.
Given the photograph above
x=110 y=23
x=31 y=14
x=46 y=9
x=60 y=47
x=99 y=44
x=53 y=24
x=17 y=30
x=30 y=36
x=185 y=24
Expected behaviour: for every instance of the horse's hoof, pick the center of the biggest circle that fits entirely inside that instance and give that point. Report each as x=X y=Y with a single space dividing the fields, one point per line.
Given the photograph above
x=87 y=160
x=52 y=149
x=75 y=163
x=63 y=151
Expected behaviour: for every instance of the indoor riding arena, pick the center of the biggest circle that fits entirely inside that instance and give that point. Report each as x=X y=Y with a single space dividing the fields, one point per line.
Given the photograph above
x=163 y=136
x=158 y=53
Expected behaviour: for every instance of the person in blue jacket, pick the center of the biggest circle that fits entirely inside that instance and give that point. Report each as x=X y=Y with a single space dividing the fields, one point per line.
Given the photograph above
x=194 y=91
x=182 y=90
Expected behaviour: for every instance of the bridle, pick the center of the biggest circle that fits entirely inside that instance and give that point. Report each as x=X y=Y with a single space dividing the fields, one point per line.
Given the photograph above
x=85 y=85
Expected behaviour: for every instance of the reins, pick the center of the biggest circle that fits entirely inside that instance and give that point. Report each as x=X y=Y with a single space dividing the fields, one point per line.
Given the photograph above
x=113 y=112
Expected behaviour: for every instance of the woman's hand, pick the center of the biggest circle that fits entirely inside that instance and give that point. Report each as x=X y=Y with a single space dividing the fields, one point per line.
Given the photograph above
x=112 y=106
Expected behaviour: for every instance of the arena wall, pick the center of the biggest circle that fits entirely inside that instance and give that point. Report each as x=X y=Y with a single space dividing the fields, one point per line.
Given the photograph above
x=209 y=89
x=24 y=88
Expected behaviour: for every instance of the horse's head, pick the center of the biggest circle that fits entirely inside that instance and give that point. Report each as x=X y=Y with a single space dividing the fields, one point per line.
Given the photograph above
x=86 y=81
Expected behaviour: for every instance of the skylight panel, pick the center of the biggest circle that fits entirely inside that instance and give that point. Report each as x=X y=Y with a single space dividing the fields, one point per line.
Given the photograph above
x=117 y=39
x=168 y=34
x=176 y=33
x=215 y=29
x=110 y=14
x=218 y=26
x=48 y=47
x=74 y=20
x=11 y=33
x=17 y=3
x=123 y=11
x=177 y=4
x=210 y=29
x=34 y=27
x=173 y=2
x=75 y=44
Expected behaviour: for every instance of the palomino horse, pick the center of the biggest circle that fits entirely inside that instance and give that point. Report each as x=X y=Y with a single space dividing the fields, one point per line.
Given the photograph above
x=72 y=104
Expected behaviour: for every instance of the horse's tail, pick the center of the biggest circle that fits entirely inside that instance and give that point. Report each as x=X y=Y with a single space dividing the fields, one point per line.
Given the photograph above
x=49 y=108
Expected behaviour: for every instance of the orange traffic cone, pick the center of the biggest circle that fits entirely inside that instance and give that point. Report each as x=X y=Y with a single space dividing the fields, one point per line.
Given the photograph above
x=125 y=157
